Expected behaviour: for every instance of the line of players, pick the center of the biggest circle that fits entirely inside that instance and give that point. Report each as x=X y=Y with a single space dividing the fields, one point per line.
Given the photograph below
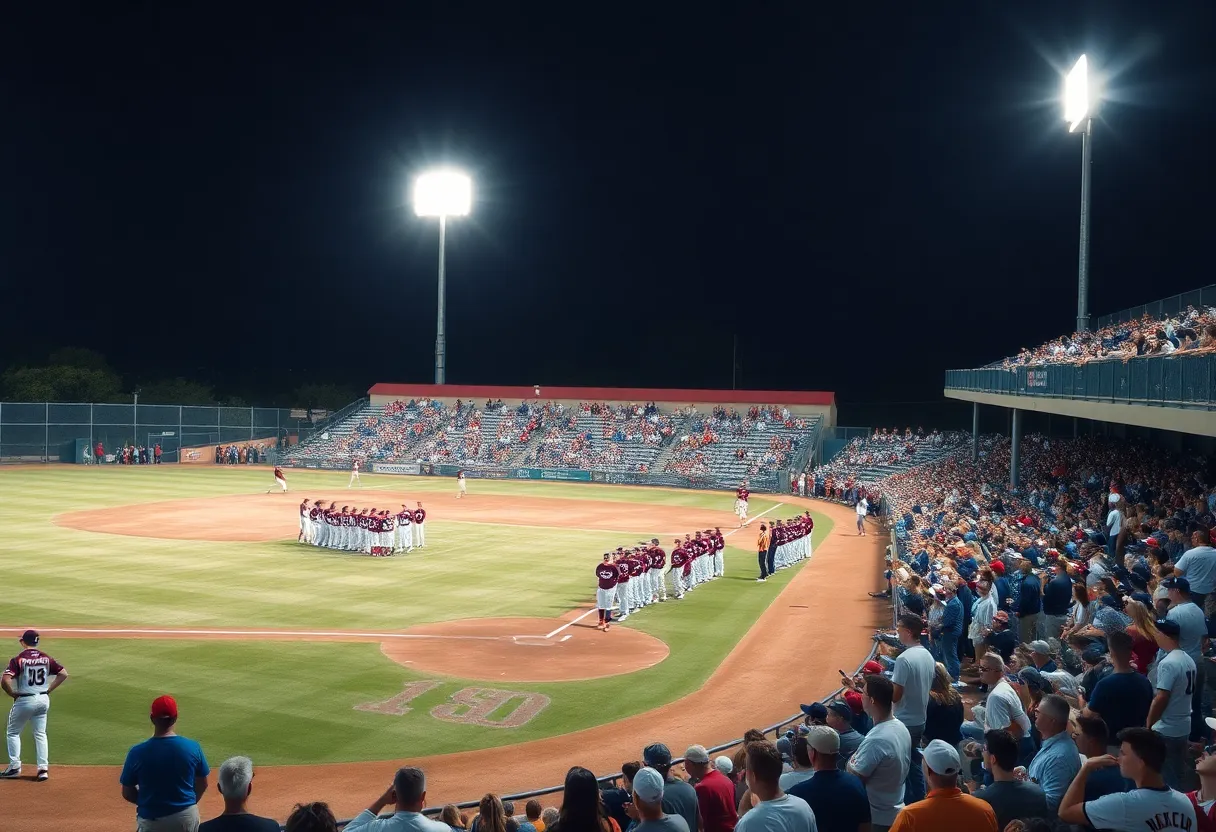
x=371 y=531
x=634 y=578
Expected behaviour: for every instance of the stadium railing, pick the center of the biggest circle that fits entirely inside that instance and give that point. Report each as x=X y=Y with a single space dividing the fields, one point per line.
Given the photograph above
x=1183 y=381
x=1166 y=307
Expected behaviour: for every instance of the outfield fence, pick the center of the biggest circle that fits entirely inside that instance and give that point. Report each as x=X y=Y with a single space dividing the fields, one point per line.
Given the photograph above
x=775 y=731
x=56 y=432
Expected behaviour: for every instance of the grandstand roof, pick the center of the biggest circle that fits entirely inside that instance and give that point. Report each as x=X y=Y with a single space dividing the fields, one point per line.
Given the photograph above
x=607 y=394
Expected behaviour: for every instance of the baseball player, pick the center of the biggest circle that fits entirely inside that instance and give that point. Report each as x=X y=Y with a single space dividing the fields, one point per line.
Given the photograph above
x=719 y=541
x=863 y=506
x=679 y=557
x=809 y=522
x=405 y=530
x=658 y=560
x=30 y=677
x=605 y=576
x=304 y=530
x=460 y=487
x=354 y=474
x=622 y=585
x=279 y=479
x=419 y=527
x=741 y=495
x=638 y=569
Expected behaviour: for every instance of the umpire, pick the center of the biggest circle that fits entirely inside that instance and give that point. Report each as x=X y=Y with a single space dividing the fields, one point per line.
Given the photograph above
x=772 y=546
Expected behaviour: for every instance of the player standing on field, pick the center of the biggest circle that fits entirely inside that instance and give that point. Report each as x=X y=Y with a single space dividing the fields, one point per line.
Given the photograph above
x=279 y=479
x=354 y=474
x=741 y=495
x=304 y=522
x=419 y=527
x=29 y=678
x=605 y=576
x=460 y=488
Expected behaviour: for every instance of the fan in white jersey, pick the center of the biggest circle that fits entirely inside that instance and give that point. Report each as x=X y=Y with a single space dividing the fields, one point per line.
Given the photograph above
x=1152 y=805
x=30 y=677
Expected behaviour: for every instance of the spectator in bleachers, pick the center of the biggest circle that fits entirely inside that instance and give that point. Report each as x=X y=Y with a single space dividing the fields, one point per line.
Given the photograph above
x=616 y=797
x=532 y=821
x=582 y=808
x=836 y=797
x=715 y=791
x=648 y=790
x=774 y=810
x=549 y=816
x=451 y=816
x=165 y=776
x=679 y=798
x=407 y=795
x=491 y=815
x=311 y=817
x=881 y=762
x=235 y=783
x=946 y=807
x=1010 y=796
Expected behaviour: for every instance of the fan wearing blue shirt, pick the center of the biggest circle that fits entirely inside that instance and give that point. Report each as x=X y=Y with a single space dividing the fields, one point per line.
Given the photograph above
x=1057 y=598
x=837 y=798
x=1122 y=698
x=165 y=776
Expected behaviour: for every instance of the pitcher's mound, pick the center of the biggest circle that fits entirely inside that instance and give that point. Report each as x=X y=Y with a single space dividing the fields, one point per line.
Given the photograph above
x=517 y=650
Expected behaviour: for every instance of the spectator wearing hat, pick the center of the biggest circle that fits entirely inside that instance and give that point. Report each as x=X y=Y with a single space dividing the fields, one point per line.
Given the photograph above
x=1193 y=629
x=1030 y=604
x=840 y=720
x=945 y=807
x=1142 y=759
x=881 y=761
x=1040 y=654
x=679 y=798
x=912 y=678
x=951 y=628
x=1170 y=714
x=1094 y=667
x=1002 y=639
x=1198 y=565
x=1004 y=595
x=1121 y=699
x=165 y=776
x=235 y=783
x=723 y=764
x=775 y=811
x=1010 y=797
x=861 y=720
x=816 y=713
x=837 y=798
x=1057 y=598
x=715 y=791
x=800 y=761
x=1057 y=760
x=648 y=790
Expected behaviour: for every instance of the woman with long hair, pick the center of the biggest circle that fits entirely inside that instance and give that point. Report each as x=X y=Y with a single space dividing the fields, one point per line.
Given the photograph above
x=1144 y=636
x=944 y=716
x=582 y=809
x=451 y=816
x=490 y=816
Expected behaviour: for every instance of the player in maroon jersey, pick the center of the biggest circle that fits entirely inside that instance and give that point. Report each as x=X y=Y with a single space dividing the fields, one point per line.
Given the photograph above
x=719 y=541
x=419 y=527
x=280 y=480
x=639 y=565
x=679 y=558
x=741 y=498
x=622 y=584
x=658 y=560
x=30 y=677
x=606 y=578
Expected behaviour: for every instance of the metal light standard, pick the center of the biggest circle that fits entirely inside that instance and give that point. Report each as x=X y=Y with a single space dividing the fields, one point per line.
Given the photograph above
x=1078 y=112
x=442 y=193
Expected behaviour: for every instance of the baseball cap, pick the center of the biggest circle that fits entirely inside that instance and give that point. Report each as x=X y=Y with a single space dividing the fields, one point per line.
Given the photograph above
x=815 y=710
x=30 y=637
x=785 y=748
x=1041 y=647
x=856 y=704
x=648 y=785
x=696 y=754
x=871 y=667
x=1034 y=680
x=1168 y=627
x=823 y=739
x=841 y=709
x=941 y=757
x=164 y=707
x=656 y=755
x=1092 y=654
x=1178 y=583
x=725 y=765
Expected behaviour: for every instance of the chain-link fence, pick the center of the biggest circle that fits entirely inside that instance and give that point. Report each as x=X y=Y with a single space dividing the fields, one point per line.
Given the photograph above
x=52 y=431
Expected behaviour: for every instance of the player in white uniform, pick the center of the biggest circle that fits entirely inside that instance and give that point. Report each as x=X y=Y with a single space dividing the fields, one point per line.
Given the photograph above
x=29 y=679
x=741 y=495
x=460 y=487
x=405 y=530
x=354 y=474
x=280 y=480
x=305 y=524
x=419 y=526
x=605 y=577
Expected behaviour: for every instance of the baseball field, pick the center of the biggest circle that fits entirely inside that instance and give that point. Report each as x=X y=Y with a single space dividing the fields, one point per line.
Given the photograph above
x=188 y=581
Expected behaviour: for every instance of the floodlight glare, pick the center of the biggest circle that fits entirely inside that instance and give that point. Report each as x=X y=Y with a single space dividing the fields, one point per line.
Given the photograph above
x=1076 y=94
x=443 y=193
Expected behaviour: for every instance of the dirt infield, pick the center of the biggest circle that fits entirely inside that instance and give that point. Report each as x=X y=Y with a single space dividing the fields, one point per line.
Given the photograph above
x=261 y=517
x=821 y=621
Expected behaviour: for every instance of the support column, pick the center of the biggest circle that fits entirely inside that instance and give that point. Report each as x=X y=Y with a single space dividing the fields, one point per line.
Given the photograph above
x=975 y=431
x=1074 y=427
x=1015 y=455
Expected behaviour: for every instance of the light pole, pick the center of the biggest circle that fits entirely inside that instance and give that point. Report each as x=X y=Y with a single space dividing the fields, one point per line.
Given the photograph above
x=1078 y=112
x=442 y=193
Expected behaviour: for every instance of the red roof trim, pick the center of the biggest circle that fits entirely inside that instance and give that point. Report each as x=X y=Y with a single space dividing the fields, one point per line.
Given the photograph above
x=604 y=394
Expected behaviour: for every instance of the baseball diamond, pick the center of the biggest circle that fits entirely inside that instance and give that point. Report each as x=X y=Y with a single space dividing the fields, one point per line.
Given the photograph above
x=197 y=580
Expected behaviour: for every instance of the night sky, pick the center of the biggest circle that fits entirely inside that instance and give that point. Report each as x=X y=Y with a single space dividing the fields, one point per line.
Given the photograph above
x=865 y=194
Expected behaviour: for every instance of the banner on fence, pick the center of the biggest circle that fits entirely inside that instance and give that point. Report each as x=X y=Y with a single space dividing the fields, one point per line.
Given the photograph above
x=1036 y=379
x=396 y=468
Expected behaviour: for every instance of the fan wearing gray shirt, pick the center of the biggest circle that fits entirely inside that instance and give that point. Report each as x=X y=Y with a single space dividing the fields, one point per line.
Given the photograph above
x=1170 y=713
x=912 y=678
x=882 y=759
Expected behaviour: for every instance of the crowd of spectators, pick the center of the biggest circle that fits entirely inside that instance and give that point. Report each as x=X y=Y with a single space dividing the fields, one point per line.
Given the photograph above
x=229 y=454
x=1191 y=331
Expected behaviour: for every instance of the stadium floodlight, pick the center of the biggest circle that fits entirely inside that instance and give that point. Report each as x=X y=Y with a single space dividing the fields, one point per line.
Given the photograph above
x=1078 y=110
x=442 y=193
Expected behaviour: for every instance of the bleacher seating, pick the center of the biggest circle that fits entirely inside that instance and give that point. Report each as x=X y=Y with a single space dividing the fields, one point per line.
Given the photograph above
x=867 y=460
x=731 y=447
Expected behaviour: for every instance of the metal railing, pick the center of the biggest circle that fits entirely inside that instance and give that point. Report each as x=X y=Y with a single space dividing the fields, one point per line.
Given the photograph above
x=1185 y=381
x=1166 y=307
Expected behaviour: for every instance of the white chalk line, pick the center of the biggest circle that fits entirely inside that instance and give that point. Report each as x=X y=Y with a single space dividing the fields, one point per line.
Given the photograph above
x=301 y=634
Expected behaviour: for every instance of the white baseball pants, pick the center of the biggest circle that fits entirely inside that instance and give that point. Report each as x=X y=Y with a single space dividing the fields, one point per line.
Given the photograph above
x=30 y=709
x=419 y=534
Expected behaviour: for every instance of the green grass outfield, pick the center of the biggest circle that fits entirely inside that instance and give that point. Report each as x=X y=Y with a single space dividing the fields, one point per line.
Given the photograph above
x=292 y=701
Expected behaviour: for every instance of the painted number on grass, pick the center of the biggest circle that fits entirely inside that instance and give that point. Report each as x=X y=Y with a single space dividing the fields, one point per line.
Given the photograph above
x=491 y=708
x=487 y=707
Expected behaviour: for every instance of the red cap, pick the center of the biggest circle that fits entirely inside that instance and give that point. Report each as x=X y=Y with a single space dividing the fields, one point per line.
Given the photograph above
x=853 y=698
x=871 y=667
x=998 y=567
x=164 y=707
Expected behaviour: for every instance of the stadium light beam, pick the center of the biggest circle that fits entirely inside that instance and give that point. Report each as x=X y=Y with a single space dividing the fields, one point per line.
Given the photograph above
x=1079 y=105
x=442 y=193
